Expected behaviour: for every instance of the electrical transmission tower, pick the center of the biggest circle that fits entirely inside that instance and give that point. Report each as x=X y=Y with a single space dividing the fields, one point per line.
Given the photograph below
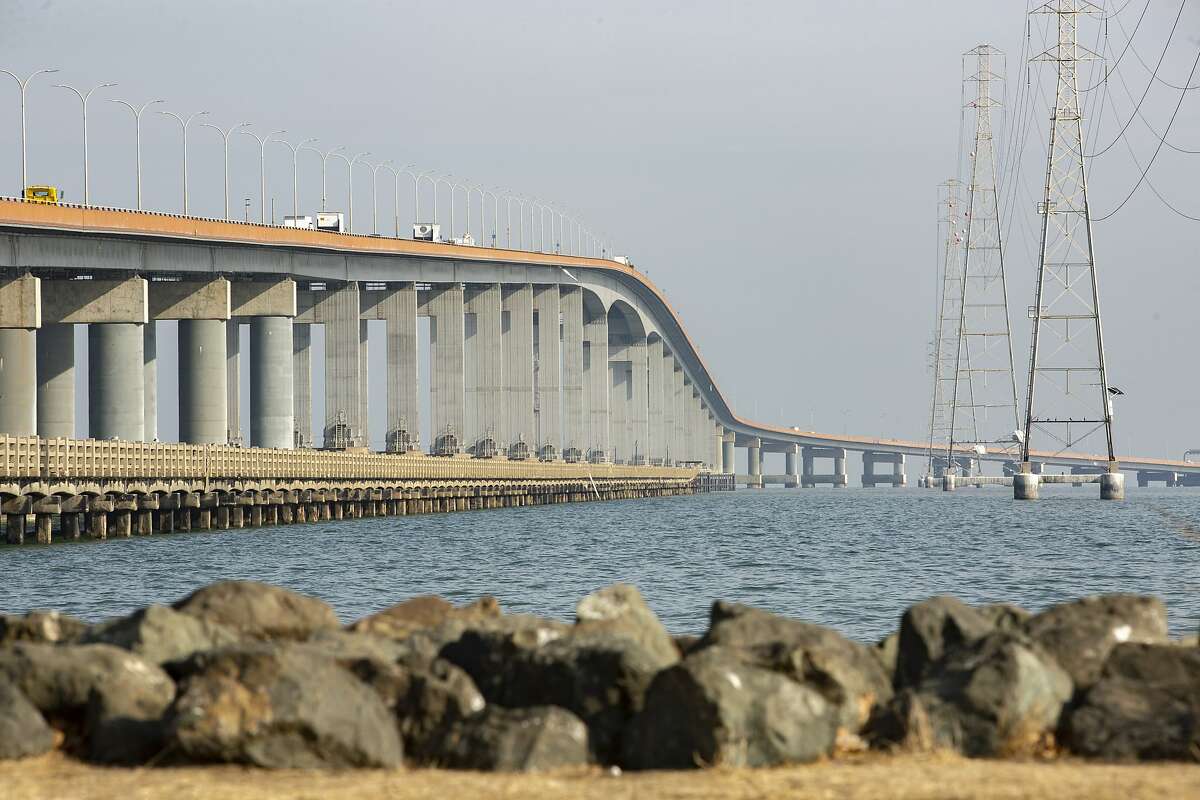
x=945 y=334
x=983 y=402
x=1068 y=393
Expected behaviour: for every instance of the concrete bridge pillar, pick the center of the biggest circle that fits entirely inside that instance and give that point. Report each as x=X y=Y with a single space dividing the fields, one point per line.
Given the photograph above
x=150 y=381
x=233 y=381
x=484 y=360
x=837 y=478
x=574 y=437
x=728 y=443
x=302 y=385
x=516 y=332
x=271 y=404
x=446 y=379
x=638 y=403
x=670 y=450
x=655 y=438
x=116 y=371
x=789 y=457
x=203 y=416
x=547 y=369
x=754 y=463
x=871 y=478
x=344 y=426
x=18 y=381
x=56 y=380
x=596 y=382
x=403 y=403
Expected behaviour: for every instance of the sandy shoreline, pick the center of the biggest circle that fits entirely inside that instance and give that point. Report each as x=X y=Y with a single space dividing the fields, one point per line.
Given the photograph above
x=55 y=777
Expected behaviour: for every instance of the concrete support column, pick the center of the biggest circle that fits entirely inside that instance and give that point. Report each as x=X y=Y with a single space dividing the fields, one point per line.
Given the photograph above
x=596 y=380
x=364 y=383
x=343 y=405
x=670 y=452
x=403 y=403
x=233 y=381
x=302 y=384
x=548 y=365
x=150 y=381
x=484 y=361
x=728 y=442
x=116 y=371
x=620 y=404
x=271 y=404
x=655 y=439
x=754 y=463
x=516 y=333
x=839 y=468
x=806 y=460
x=639 y=401
x=683 y=394
x=446 y=380
x=203 y=417
x=574 y=437
x=792 y=479
x=18 y=382
x=56 y=380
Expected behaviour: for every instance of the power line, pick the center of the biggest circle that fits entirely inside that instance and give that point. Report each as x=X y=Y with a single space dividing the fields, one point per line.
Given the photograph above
x=1157 y=150
x=1153 y=76
x=1128 y=40
x=1148 y=85
x=1146 y=122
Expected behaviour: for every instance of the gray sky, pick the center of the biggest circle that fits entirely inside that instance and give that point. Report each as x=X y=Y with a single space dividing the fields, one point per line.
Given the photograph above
x=772 y=165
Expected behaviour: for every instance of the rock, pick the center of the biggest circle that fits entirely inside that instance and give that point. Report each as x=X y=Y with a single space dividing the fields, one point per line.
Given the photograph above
x=515 y=740
x=427 y=699
x=23 y=730
x=1081 y=634
x=424 y=613
x=929 y=630
x=598 y=675
x=887 y=650
x=620 y=609
x=1004 y=616
x=848 y=675
x=259 y=610
x=40 y=626
x=278 y=706
x=998 y=695
x=347 y=646
x=160 y=634
x=1146 y=705
x=684 y=643
x=713 y=708
x=109 y=702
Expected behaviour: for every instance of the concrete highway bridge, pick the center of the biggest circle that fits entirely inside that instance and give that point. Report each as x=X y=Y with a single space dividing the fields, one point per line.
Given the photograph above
x=533 y=356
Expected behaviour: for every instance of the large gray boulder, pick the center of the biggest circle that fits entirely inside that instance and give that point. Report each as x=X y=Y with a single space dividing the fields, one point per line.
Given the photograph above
x=427 y=698
x=598 y=675
x=423 y=614
x=996 y=696
x=1146 y=705
x=1082 y=633
x=848 y=674
x=259 y=610
x=160 y=634
x=715 y=709
x=40 y=626
x=278 y=706
x=620 y=609
x=931 y=629
x=23 y=729
x=515 y=740
x=109 y=701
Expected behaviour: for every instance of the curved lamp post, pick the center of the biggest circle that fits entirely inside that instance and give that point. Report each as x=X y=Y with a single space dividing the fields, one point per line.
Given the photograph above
x=295 y=171
x=350 y=162
x=83 y=100
x=262 y=170
x=324 y=163
x=225 y=134
x=137 y=118
x=183 y=126
x=24 y=84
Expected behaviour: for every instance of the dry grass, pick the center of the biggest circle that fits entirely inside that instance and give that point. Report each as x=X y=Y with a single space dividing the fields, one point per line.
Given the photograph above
x=900 y=777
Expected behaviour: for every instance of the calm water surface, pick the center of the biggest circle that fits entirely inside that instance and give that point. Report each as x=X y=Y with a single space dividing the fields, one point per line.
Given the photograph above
x=852 y=559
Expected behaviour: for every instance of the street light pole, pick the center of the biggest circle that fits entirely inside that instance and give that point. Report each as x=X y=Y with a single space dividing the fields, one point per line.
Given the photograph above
x=445 y=178
x=183 y=125
x=262 y=170
x=495 y=214
x=83 y=99
x=324 y=161
x=350 y=162
x=137 y=118
x=375 y=193
x=24 y=84
x=295 y=171
x=225 y=137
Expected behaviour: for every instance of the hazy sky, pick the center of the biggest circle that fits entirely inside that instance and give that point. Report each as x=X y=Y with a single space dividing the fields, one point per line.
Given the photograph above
x=772 y=165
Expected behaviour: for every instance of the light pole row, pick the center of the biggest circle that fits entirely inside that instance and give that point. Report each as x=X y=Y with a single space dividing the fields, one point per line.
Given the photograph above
x=569 y=234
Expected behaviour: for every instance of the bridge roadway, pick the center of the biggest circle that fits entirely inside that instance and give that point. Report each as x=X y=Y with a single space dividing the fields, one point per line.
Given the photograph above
x=618 y=380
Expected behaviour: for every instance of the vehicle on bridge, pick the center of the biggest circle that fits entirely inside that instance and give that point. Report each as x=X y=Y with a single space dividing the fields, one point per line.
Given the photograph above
x=43 y=194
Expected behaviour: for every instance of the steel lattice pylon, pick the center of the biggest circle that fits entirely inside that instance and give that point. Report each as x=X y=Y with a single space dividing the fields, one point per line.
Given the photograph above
x=945 y=334
x=1067 y=399
x=983 y=403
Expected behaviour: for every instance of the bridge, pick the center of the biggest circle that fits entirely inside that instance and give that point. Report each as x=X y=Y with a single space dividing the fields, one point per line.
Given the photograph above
x=533 y=356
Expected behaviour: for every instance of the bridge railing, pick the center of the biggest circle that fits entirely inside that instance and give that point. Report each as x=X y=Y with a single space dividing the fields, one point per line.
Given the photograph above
x=25 y=458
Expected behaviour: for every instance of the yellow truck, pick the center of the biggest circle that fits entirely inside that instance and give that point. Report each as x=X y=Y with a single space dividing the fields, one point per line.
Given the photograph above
x=42 y=194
